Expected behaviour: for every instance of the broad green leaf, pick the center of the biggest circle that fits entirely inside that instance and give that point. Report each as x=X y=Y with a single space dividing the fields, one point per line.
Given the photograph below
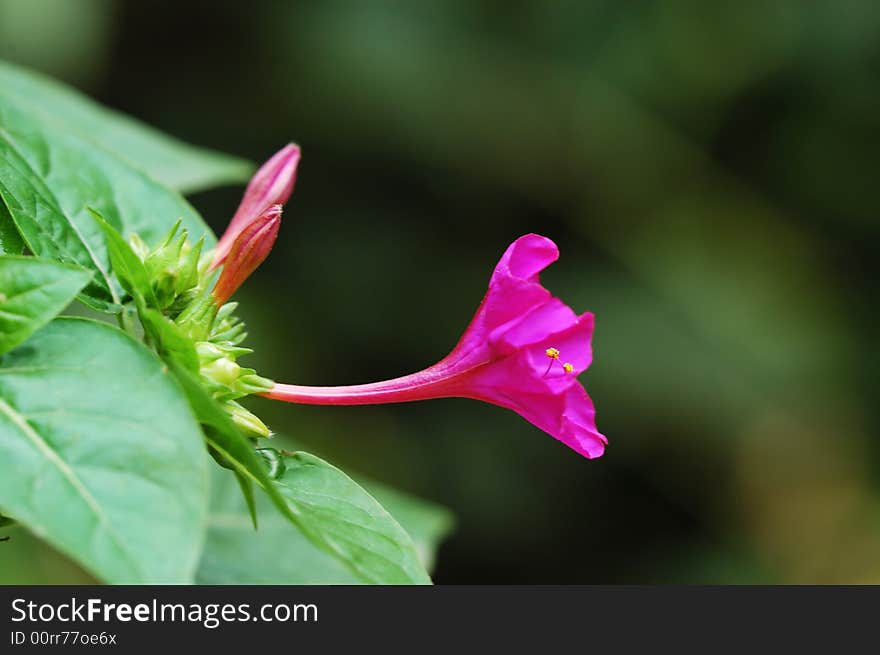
x=427 y=523
x=279 y=554
x=339 y=515
x=101 y=454
x=169 y=161
x=32 y=292
x=50 y=177
x=10 y=239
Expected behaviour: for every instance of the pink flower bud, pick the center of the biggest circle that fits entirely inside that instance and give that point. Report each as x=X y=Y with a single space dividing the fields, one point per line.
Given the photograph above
x=252 y=245
x=271 y=185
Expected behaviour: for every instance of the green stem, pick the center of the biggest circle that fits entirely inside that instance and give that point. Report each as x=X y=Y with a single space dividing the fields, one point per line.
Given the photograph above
x=129 y=322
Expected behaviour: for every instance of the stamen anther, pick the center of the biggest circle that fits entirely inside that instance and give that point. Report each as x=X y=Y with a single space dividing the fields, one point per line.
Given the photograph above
x=568 y=367
x=553 y=354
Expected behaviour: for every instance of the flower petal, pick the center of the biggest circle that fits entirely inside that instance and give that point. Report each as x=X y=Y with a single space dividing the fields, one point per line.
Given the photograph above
x=525 y=258
x=574 y=346
x=568 y=417
x=533 y=327
x=579 y=424
x=514 y=290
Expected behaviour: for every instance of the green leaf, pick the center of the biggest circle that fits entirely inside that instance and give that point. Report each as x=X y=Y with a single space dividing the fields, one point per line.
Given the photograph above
x=170 y=341
x=126 y=265
x=48 y=179
x=32 y=292
x=233 y=448
x=10 y=239
x=169 y=161
x=340 y=516
x=325 y=504
x=247 y=493
x=279 y=554
x=101 y=454
x=427 y=523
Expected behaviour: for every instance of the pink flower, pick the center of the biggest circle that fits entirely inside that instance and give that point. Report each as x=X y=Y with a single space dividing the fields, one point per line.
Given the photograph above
x=523 y=350
x=249 y=250
x=271 y=185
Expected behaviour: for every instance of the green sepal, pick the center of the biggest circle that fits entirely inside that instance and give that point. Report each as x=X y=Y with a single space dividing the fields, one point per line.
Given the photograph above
x=128 y=267
x=169 y=340
x=198 y=317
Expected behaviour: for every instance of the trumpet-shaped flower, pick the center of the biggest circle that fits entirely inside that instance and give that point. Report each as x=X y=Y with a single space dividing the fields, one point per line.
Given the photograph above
x=271 y=185
x=523 y=350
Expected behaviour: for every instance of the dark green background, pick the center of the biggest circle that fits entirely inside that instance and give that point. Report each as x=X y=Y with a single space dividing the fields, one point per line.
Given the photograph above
x=709 y=173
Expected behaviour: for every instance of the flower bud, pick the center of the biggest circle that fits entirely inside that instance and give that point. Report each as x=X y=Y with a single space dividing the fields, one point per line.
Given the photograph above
x=223 y=371
x=248 y=251
x=249 y=423
x=172 y=267
x=271 y=185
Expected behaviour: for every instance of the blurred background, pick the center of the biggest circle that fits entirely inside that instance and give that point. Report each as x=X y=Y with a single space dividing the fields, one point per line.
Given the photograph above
x=709 y=173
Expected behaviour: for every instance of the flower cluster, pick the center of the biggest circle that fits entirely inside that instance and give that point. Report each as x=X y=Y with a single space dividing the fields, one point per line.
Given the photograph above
x=523 y=350
x=183 y=301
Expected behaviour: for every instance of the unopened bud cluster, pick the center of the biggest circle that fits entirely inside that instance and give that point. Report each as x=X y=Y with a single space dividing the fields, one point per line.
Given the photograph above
x=173 y=268
x=181 y=283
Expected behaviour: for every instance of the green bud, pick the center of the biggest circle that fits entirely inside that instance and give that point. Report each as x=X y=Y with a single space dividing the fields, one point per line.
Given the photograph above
x=223 y=371
x=173 y=267
x=226 y=311
x=197 y=318
x=247 y=421
x=137 y=244
x=227 y=328
x=208 y=351
x=188 y=276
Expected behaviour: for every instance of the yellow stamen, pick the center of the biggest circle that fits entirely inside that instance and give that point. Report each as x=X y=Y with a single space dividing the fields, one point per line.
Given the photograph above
x=568 y=367
x=552 y=353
